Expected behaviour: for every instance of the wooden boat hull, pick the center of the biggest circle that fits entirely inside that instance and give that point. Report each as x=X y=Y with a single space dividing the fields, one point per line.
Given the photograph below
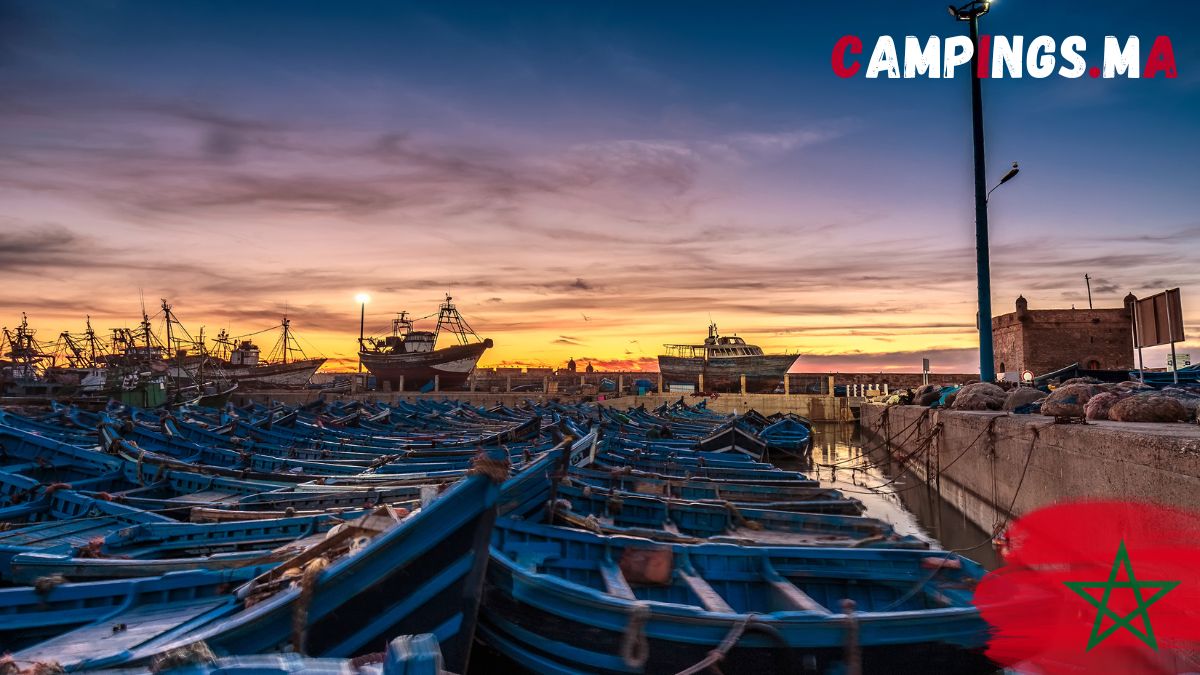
x=733 y=438
x=651 y=516
x=421 y=576
x=275 y=375
x=550 y=625
x=451 y=366
x=763 y=373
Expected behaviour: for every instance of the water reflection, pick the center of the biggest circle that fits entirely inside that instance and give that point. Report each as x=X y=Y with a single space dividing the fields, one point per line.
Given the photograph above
x=890 y=493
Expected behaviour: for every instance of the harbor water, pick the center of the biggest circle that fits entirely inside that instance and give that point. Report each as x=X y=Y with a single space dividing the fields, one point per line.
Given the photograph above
x=840 y=459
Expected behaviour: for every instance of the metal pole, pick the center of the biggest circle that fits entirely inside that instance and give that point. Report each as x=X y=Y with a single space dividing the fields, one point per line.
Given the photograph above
x=362 y=321
x=987 y=367
x=1137 y=341
x=1087 y=279
x=1174 y=362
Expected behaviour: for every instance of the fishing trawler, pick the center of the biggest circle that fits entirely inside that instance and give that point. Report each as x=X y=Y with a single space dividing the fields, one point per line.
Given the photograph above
x=286 y=367
x=136 y=367
x=723 y=361
x=23 y=363
x=410 y=359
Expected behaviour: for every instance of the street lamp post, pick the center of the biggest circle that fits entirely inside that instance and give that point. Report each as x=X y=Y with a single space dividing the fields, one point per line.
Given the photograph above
x=362 y=299
x=970 y=13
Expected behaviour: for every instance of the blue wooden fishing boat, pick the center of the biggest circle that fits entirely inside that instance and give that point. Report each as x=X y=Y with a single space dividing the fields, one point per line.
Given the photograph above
x=790 y=434
x=34 y=614
x=345 y=596
x=734 y=436
x=788 y=497
x=405 y=655
x=568 y=601
x=617 y=512
x=155 y=548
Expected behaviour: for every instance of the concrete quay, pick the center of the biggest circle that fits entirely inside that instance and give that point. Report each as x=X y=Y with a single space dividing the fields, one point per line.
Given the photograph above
x=819 y=408
x=983 y=463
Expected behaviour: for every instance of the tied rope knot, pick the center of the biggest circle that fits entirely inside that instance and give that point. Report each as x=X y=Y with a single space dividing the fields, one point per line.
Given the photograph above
x=193 y=654
x=494 y=464
x=43 y=585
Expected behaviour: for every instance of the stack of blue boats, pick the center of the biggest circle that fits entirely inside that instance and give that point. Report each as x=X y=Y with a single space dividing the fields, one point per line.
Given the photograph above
x=370 y=537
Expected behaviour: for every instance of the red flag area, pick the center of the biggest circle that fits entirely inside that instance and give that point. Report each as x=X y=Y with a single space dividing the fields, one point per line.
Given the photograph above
x=1138 y=563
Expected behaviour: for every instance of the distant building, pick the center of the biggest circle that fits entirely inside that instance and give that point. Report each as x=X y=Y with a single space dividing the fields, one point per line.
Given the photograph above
x=591 y=368
x=1044 y=340
x=571 y=365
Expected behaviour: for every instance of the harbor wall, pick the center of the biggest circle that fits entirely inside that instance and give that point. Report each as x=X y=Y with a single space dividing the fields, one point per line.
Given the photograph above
x=991 y=461
x=814 y=407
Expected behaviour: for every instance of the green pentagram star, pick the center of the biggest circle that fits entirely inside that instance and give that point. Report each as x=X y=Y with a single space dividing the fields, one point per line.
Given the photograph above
x=1126 y=621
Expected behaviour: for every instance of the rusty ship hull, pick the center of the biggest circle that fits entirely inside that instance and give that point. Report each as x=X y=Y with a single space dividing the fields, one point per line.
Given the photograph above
x=451 y=365
x=291 y=375
x=763 y=372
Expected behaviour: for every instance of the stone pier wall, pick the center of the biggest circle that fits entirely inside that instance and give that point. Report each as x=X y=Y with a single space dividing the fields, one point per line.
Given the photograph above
x=982 y=456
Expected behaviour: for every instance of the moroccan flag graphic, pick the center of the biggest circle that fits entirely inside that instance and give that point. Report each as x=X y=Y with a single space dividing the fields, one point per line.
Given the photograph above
x=1097 y=587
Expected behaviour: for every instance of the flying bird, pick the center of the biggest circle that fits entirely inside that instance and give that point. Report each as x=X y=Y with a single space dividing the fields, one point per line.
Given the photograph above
x=585 y=316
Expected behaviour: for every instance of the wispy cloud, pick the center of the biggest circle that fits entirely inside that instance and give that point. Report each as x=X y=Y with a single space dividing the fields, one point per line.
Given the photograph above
x=551 y=239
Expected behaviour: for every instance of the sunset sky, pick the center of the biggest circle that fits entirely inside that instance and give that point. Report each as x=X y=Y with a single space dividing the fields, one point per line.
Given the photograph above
x=588 y=180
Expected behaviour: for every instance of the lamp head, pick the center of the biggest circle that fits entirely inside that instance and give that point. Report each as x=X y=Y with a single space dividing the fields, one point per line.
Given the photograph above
x=973 y=9
x=1011 y=173
x=362 y=298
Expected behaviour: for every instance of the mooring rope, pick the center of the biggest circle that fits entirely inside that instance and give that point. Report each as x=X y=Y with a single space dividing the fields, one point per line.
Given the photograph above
x=308 y=588
x=889 y=441
x=998 y=529
x=717 y=655
x=961 y=454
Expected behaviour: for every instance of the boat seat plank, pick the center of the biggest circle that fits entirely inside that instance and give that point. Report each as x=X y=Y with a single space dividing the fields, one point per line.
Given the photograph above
x=117 y=633
x=796 y=597
x=532 y=554
x=709 y=597
x=789 y=592
x=206 y=497
x=615 y=581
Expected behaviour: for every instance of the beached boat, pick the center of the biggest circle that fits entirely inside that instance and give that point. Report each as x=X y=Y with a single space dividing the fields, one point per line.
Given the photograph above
x=409 y=359
x=722 y=362
x=286 y=367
